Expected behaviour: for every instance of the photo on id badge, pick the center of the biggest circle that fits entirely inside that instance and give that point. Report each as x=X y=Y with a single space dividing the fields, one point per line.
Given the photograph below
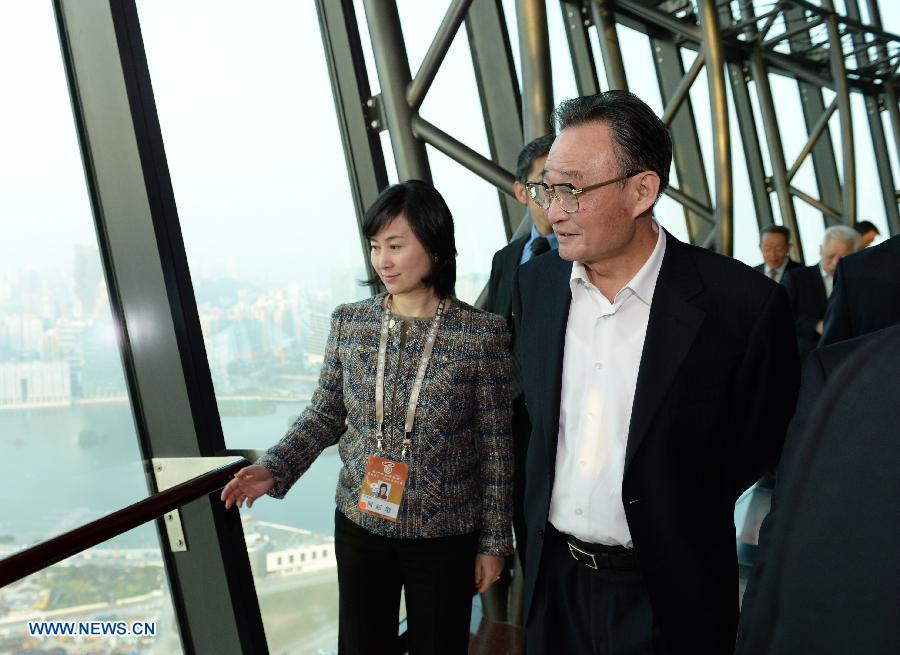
x=381 y=490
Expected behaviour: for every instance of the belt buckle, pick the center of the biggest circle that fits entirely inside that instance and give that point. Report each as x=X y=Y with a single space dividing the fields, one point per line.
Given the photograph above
x=573 y=548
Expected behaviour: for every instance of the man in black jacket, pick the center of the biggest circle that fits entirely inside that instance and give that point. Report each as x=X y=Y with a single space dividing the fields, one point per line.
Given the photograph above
x=660 y=383
x=825 y=577
x=809 y=288
x=866 y=293
x=539 y=239
x=775 y=244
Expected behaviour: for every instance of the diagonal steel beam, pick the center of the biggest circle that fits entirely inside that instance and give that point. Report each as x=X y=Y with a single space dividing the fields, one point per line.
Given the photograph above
x=434 y=57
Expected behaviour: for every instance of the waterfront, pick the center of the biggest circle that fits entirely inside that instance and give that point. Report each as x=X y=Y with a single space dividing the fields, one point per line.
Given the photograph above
x=90 y=480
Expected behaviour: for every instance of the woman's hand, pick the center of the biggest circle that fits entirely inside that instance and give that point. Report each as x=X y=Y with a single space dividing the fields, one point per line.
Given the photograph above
x=248 y=484
x=487 y=570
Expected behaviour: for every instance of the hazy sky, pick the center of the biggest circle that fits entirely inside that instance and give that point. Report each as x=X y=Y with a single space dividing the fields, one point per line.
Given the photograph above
x=253 y=145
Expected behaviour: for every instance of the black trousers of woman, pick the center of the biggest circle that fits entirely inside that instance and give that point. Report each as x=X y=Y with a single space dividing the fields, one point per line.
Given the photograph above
x=437 y=575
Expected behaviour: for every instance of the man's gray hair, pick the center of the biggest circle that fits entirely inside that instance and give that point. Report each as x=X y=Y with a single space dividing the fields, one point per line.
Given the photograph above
x=841 y=233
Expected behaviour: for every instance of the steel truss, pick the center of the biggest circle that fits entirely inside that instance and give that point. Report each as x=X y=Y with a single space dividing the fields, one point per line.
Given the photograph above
x=749 y=39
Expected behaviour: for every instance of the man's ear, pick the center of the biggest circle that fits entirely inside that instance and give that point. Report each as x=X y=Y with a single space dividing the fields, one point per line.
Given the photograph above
x=646 y=188
x=521 y=192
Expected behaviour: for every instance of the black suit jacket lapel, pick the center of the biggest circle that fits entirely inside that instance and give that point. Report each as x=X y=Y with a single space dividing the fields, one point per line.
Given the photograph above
x=512 y=255
x=556 y=298
x=671 y=330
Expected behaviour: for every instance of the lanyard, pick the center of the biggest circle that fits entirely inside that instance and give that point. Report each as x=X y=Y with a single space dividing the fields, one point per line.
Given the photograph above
x=420 y=375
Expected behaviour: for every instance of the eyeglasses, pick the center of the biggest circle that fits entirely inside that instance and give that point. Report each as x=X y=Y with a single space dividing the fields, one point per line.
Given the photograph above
x=566 y=194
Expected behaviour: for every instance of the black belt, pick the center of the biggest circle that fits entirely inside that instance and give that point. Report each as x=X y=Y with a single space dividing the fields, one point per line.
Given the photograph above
x=596 y=556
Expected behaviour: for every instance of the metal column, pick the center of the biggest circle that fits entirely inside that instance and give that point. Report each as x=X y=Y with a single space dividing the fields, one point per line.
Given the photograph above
x=498 y=89
x=394 y=78
x=839 y=75
x=605 y=20
x=739 y=75
x=575 y=18
x=776 y=150
x=537 y=80
x=876 y=127
x=718 y=99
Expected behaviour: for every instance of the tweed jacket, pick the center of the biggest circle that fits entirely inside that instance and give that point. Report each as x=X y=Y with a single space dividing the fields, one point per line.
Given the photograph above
x=460 y=461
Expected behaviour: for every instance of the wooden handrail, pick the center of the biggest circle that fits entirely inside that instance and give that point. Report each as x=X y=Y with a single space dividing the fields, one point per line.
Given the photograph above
x=24 y=563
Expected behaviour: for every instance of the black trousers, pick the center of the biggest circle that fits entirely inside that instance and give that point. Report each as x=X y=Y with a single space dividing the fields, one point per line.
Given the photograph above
x=437 y=575
x=581 y=611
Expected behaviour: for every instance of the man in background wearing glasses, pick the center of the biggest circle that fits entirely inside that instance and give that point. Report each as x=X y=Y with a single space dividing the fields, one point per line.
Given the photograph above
x=660 y=385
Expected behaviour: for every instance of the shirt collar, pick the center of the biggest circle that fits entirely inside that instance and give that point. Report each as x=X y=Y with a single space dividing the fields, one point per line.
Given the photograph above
x=643 y=284
x=822 y=271
x=780 y=269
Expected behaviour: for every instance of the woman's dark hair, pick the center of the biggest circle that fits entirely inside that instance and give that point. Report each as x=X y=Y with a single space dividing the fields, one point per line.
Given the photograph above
x=430 y=220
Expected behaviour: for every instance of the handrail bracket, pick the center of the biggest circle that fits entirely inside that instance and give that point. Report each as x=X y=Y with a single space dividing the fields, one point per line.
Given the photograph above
x=171 y=471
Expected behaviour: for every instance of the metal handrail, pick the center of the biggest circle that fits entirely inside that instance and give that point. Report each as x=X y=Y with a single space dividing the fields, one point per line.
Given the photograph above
x=45 y=554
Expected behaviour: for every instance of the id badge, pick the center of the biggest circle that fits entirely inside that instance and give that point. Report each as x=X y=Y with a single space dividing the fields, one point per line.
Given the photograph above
x=382 y=487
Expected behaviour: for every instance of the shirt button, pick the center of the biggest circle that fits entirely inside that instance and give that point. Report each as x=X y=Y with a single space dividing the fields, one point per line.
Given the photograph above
x=578 y=511
x=583 y=463
x=590 y=416
x=598 y=365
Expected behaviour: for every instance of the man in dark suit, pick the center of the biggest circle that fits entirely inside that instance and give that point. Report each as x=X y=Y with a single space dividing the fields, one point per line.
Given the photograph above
x=825 y=578
x=540 y=239
x=810 y=287
x=866 y=293
x=867 y=231
x=775 y=244
x=661 y=382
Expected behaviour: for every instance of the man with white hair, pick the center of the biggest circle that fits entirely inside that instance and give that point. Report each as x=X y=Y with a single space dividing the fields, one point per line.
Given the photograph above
x=809 y=288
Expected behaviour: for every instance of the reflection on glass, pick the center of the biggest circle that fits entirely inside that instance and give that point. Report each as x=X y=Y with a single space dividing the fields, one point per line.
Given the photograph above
x=270 y=232
x=70 y=452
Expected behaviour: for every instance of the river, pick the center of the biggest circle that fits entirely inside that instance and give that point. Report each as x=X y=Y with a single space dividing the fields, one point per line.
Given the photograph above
x=50 y=483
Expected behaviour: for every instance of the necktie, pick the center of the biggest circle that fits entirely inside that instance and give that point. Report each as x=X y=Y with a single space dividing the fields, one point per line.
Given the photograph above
x=539 y=246
x=773 y=273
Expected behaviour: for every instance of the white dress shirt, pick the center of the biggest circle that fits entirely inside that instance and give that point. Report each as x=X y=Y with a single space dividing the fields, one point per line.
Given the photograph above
x=827 y=280
x=602 y=355
x=779 y=272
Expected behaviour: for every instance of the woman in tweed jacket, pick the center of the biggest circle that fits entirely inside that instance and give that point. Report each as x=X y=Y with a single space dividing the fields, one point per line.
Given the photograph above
x=454 y=517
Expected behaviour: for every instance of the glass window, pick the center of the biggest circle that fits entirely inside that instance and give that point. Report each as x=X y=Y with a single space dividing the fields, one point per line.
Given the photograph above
x=257 y=165
x=67 y=432
x=111 y=587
